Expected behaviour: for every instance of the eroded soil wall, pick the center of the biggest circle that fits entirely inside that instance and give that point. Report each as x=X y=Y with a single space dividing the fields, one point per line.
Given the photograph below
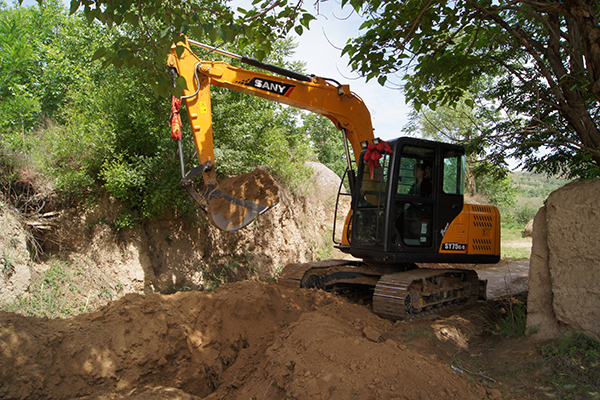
x=564 y=277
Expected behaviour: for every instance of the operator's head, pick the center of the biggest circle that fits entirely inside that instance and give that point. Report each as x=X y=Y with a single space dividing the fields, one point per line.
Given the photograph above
x=418 y=170
x=422 y=169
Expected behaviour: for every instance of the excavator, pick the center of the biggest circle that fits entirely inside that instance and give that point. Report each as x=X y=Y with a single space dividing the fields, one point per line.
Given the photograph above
x=407 y=204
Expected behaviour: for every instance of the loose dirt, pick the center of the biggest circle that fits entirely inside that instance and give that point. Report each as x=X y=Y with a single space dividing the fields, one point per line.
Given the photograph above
x=257 y=187
x=247 y=340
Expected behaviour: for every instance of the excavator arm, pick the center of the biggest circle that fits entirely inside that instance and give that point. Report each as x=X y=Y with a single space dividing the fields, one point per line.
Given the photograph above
x=330 y=99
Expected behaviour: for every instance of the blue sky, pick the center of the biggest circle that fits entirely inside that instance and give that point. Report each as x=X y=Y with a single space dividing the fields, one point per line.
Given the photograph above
x=320 y=48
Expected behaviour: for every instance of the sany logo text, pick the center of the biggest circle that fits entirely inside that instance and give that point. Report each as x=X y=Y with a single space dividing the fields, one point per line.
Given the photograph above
x=282 y=89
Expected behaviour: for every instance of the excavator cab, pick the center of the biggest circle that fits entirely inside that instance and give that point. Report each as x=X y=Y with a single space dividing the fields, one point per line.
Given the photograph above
x=403 y=208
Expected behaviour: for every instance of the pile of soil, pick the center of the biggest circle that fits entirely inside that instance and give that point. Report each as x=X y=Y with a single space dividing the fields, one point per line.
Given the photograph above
x=256 y=186
x=247 y=340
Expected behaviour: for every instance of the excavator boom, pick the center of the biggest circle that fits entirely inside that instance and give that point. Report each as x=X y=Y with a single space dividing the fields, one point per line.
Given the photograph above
x=332 y=100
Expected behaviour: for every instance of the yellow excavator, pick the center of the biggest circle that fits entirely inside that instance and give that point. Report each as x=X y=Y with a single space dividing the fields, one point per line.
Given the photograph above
x=406 y=194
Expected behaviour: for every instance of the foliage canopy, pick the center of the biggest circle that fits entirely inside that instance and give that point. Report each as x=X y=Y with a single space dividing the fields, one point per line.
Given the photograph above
x=151 y=27
x=93 y=124
x=541 y=61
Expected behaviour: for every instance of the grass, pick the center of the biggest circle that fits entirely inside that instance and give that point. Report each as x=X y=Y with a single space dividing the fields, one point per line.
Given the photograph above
x=7 y=268
x=512 y=233
x=415 y=333
x=45 y=298
x=573 y=367
x=62 y=291
x=515 y=253
x=513 y=318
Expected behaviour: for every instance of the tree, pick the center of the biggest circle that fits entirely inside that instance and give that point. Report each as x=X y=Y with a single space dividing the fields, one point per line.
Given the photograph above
x=18 y=106
x=542 y=58
x=464 y=125
x=327 y=141
x=153 y=26
x=457 y=125
x=108 y=129
x=36 y=72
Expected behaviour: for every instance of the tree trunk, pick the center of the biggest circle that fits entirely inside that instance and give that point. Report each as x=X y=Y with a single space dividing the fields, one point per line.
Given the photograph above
x=584 y=14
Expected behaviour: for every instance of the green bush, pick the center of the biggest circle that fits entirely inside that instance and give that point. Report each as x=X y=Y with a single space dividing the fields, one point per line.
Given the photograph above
x=514 y=319
x=524 y=214
x=123 y=180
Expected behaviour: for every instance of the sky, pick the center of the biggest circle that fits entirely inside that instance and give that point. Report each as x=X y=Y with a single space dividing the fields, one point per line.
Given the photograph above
x=320 y=48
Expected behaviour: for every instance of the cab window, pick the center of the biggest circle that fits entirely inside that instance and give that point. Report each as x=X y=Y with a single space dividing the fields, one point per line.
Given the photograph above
x=370 y=214
x=454 y=173
x=413 y=204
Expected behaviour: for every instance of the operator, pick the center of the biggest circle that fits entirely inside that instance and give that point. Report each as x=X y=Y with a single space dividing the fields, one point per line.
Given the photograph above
x=423 y=186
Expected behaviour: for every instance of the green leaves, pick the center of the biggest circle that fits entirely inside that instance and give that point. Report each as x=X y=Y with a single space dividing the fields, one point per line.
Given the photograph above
x=147 y=29
x=74 y=6
x=99 y=53
x=105 y=88
x=443 y=48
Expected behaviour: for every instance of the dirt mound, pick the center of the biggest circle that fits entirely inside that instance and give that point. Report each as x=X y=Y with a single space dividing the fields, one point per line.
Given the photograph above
x=245 y=340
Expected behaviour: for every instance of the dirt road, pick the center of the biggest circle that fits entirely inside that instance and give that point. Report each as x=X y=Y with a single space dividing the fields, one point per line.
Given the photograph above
x=508 y=278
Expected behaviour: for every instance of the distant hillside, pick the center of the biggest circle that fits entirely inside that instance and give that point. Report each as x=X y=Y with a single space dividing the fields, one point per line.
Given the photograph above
x=533 y=189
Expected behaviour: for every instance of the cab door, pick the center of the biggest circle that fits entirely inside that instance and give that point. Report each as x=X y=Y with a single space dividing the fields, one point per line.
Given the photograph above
x=414 y=206
x=370 y=205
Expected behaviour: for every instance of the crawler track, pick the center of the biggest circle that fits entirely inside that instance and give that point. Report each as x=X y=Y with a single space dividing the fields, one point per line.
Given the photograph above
x=395 y=296
x=392 y=297
x=293 y=274
x=407 y=293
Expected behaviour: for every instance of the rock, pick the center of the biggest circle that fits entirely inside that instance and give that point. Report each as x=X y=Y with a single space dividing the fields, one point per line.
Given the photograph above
x=371 y=334
x=528 y=230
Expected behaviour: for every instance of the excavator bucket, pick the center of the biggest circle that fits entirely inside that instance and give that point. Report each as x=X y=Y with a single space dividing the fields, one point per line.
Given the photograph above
x=235 y=202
